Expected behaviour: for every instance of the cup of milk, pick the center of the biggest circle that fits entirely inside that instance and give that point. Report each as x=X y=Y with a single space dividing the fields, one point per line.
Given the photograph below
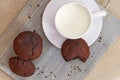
x=74 y=19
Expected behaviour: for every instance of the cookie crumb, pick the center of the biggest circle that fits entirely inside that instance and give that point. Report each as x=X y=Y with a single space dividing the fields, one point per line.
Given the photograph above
x=45 y=76
x=68 y=74
x=100 y=39
x=37 y=68
x=79 y=70
x=104 y=44
x=42 y=71
x=38 y=5
x=51 y=72
x=74 y=68
x=91 y=56
x=29 y=17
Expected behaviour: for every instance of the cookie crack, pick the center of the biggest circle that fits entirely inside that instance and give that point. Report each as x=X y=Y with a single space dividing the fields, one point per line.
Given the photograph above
x=17 y=65
x=33 y=45
x=81 y=49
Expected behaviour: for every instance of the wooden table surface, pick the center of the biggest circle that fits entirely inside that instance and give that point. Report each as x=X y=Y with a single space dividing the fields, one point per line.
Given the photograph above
x=107 y=68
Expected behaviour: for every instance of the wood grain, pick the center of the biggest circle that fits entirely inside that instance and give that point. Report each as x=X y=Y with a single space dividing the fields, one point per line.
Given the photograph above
x=114 y=7
x=4 y=76
x=9 y=9
x=108 y=67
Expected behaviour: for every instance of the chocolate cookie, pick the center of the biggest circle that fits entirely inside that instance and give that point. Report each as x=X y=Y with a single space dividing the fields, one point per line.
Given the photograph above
x=72 y=49
x=28 y=45
x=21 y=67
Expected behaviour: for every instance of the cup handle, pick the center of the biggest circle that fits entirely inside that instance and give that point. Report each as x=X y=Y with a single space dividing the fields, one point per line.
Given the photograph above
x=99 y=14
x=103 y=12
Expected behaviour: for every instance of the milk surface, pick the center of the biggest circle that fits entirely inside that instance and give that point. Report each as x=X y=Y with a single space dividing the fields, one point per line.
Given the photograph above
x=72 y=20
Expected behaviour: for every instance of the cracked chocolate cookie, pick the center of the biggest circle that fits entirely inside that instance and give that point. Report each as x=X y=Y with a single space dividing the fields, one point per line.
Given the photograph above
x=72 y=49
x=28 y=45
x=21 y=67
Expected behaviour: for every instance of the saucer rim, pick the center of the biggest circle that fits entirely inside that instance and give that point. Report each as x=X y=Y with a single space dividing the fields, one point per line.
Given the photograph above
x=63 y=36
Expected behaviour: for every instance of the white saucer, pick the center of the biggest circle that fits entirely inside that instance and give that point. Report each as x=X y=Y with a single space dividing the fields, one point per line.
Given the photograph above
x=49 y=25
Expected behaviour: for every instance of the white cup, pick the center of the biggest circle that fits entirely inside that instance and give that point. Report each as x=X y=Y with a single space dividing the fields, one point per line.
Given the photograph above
x=74 y=19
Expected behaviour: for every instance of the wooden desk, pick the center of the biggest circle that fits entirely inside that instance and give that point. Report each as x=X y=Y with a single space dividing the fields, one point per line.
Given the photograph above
x=108 y=66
